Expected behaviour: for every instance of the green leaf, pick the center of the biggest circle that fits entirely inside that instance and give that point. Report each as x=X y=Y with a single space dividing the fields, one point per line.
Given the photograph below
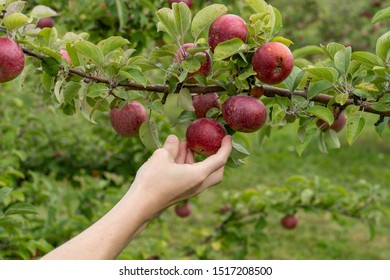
x=4 y=192
x=47 y=81
x=42 y=11
x=112 y=43
x=342 y=98
x=306 y=196
x=293 y=80
x=383 y=47
x=229 y=48
x=342 y=59
x=326 y=73
x=259 y=6
x=184 y=100
x=21 y=208
x=122 y=13
x=134 y=74
x=183 y=16
x=91 y=51
x=148 y=135
x=238 y=151
x=278 y=22
x=367 y=58
x=306 y=51
x=318 y=87
x=205 y=17
x=51 y=66
x=355 y=125
x=15 y=21
x=322 y=112
x=167 y=22
x=381 y=15
x=70 y=91
x=166 y=50
x=332 y=48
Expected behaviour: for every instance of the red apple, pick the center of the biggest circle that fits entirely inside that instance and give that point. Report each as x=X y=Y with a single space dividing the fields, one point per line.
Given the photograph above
x=227 y=27
x=289 y=221
x=65 y=56
x=183 y=209
x=257 y=91
x=339 y=121
x=45 y=22
x=204 y=136
x=244 y=113
x=225 y=208
x=127 y=120
x=205 y=68
x=204 y=102
x=11 y=59
x=188 y=2
x=272 y=62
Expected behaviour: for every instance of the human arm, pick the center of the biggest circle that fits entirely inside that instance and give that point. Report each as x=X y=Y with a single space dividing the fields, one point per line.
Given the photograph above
x=169 y=176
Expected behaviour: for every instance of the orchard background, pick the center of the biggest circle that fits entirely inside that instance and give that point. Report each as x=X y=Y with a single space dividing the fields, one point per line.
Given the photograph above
x=62 y=167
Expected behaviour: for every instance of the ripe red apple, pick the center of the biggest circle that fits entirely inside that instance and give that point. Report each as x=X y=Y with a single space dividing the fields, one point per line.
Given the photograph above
x=225 y=208
x=183 y=209
x=227 y=27
x=65 y=56
x=257 y=91
x=204 y=102
x=205 y=68
x=244 y=113
x=127 y=120
x=188 y=2
x=45 y=22
x=11 y=59
x=272 y=62
x=204 y=136
x=289 y=221
x=339 y=121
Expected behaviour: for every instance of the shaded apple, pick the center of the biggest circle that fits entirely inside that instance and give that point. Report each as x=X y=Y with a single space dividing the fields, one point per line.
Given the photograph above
x=188 y=2
x=11 y=59
x=204 y=136
x=205 y=68
x=227 y=27
x=244 y=113
x=204 y=102
x=127 y=120
x=225 y=208
x=65 y=56
x=183 y=209
x=272 y=62
x=257 y=91
x=45 y=22
x=289 y=221
x=339 y=121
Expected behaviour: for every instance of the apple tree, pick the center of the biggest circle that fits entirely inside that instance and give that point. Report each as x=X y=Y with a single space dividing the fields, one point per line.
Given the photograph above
x=226 y=73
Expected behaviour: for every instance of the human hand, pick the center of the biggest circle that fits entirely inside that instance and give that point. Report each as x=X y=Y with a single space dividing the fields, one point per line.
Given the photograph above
x=171 y=175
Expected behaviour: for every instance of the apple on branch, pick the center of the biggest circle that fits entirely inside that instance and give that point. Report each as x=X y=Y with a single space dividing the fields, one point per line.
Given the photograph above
x=127 y=120
x=289 y=221
x=244 y=113
x=183 y=209
x=11 y=59
x=339 y=121
x=204 y=136
x=272 y=62
x=227 y=27
x=204 y=102
x=47 y=22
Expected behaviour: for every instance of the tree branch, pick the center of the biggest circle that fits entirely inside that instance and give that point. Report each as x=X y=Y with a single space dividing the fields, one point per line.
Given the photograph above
x=269 y=91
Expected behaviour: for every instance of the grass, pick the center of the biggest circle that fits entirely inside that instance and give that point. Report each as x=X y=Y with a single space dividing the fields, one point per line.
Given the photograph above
x=317 y=236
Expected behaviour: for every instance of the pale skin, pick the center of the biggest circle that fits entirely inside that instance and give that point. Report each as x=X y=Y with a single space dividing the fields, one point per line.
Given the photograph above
x=169 y=176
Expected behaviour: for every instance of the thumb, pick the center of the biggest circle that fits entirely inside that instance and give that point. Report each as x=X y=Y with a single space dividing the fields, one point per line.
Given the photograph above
x=172 y=145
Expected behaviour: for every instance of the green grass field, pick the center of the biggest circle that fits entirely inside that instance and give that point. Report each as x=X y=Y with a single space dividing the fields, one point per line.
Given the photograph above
x=318 y=236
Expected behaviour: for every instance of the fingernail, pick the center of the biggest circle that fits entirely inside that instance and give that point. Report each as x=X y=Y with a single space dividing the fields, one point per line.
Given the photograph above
x=172 y=138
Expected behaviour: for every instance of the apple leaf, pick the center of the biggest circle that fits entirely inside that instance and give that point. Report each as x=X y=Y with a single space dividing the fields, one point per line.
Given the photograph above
x=228 y=48
x=135 y=74
x=367 y=58
x=167 y=22
x=383 y=47
x=306 y=51
x=326 y=73
x=70 y=91
x=148 y=134
x=42 y=11
x=355 y=126
x=342 y=59
x=182 y=15
x=4 y=192
x=112 y=43
x=381 y=15
x=50 y=66
x=91 y=51
x=205 y=17
x=15 y=21
x=318 y=87
x=122 y=13
x=332 y=48
x=322 y=112
x=47 y=81
x=259 y=6
x=21 y=208
x=294 y=79
x=184 y=100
